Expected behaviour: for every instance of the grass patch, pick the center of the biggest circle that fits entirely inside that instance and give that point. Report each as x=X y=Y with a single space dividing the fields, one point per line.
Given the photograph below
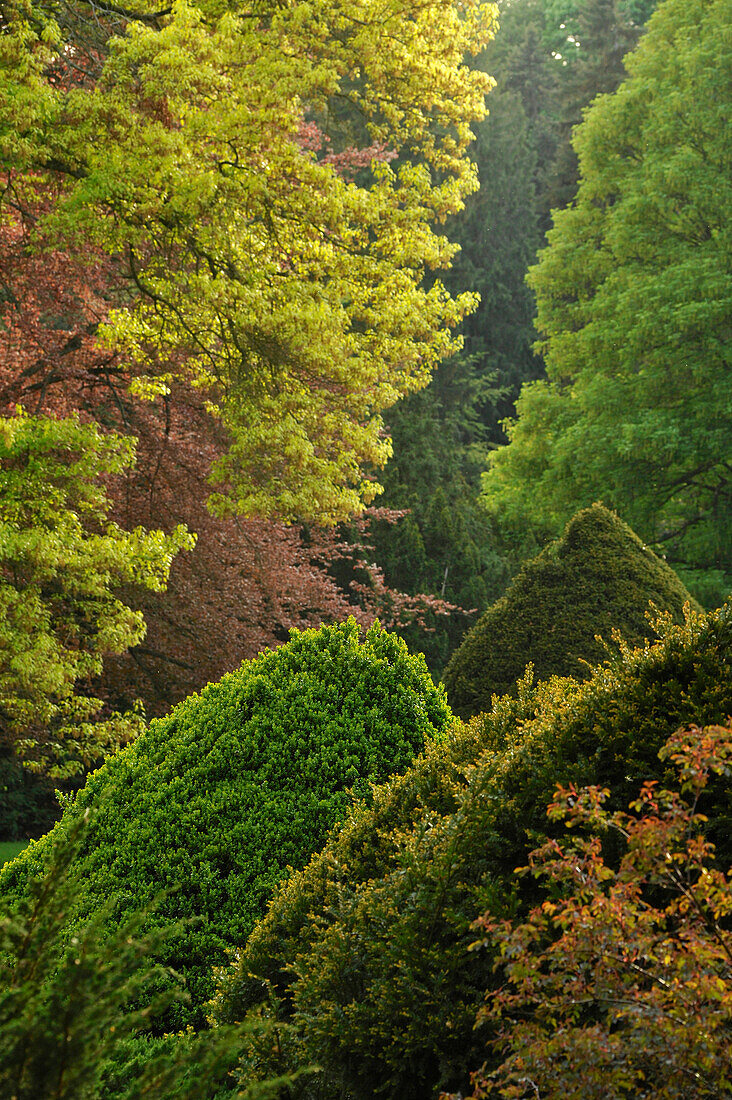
x=9 y=849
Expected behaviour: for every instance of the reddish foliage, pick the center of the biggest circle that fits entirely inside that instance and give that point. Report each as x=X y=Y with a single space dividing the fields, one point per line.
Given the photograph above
x=620 y=984
x=348 y=161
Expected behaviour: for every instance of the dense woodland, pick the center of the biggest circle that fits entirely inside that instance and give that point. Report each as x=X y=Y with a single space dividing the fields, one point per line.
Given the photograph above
x=365 y=549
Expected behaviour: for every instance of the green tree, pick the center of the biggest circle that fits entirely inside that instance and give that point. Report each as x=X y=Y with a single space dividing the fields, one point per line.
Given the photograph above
x=446 y=546
x=442 y=547
x=270 y=244
x=499 y=236
x=566 y=24
x=523 y=66
x=61 y=566
x=634 y=299
x=600 y=34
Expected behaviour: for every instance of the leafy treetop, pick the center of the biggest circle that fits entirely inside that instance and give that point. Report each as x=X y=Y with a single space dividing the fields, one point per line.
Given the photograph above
x=61 y=565
x=633 y=296
x=265 y=177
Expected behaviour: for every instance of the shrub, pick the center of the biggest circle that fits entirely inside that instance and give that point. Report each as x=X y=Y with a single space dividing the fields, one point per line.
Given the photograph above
x=65 y=1013
x=385 y=992
x=637 y=999
x=598 y=577
x=214 y=802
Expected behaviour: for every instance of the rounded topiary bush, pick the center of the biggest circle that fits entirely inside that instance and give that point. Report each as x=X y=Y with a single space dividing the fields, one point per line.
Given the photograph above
x=216 y=800
x=597 y=578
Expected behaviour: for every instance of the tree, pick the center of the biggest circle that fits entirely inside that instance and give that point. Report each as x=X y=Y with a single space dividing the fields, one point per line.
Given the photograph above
x=620 y=984
x=61 y=562
x=633 y=299
x=598 y=579
x=246 y=582
x=440 y=435
x=597 y=35
x=265 y=245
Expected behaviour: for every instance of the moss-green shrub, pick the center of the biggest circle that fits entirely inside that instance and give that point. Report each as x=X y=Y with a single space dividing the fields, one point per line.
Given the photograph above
x=598 y=577
x=216 y=800
x=386 y=991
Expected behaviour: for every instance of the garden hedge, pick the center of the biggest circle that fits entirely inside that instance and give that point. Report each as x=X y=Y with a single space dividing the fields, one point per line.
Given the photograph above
x=597 y=578
x=212 y=803
x=386 y=990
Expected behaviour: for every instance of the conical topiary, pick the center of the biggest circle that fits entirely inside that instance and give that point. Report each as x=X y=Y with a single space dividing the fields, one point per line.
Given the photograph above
x=598 y=577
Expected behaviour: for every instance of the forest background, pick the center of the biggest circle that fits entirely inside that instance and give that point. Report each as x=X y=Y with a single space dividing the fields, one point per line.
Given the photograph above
x=440 y=547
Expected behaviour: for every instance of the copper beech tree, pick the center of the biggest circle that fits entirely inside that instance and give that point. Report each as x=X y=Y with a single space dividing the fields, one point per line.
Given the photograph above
x=248 y=580
x=215 y=222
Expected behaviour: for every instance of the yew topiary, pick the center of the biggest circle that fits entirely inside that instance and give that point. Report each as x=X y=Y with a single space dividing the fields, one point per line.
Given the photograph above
x=597 y=578
x=213 y=803
x=365 y=955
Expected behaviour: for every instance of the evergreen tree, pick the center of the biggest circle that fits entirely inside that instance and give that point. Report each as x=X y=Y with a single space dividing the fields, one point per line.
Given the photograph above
x=634 y=304
x=213 y=804
x=602 y=35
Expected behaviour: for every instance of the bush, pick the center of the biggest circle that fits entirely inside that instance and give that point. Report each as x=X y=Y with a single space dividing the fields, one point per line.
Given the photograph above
x=636 y=1000
x=386 y=992
x=68 y=1031
x=214 y=802
x=598 y=577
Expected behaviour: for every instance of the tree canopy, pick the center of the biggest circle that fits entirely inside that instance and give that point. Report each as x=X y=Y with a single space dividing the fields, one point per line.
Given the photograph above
x=633 y=298
x=62 y=565
x=266 y=177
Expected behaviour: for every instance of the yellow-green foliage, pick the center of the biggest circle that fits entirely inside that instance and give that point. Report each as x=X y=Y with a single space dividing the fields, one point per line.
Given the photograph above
x=385 y=991
x=598 y=577
x=216 y=800
x=62 y=563
x=273 y=245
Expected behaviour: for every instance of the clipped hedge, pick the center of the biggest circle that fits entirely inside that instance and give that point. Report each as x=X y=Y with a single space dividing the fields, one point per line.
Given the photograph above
x=215 y=801
x=386 y=990
x=598 y=577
